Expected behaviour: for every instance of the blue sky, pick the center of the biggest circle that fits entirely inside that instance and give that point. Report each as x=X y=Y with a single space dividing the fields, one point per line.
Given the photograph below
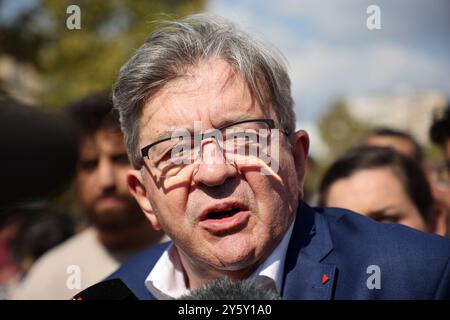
x=11 y=8
x=331 y=53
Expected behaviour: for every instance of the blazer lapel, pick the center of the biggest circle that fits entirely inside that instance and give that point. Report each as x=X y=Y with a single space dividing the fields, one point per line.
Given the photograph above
x=306 y=277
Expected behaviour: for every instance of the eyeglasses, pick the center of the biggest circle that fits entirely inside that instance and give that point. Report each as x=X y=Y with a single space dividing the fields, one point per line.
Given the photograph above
x=235 y=141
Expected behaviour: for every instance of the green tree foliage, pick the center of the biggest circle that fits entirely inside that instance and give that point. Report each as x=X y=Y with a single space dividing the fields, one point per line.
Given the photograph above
x=73 y=63
x=340 y=130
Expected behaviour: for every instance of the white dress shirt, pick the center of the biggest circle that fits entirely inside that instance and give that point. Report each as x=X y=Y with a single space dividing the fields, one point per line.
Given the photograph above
x=167 y=281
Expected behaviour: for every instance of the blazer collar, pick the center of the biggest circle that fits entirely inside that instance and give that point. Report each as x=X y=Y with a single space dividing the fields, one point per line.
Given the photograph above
x=306 y=275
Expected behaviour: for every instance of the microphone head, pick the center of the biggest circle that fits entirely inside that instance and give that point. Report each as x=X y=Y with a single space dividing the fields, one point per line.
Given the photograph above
x=114 y=289
x=225 y=289
x=39 y=154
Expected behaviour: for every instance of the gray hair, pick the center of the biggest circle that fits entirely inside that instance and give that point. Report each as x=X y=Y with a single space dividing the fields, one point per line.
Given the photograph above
x=178 y=45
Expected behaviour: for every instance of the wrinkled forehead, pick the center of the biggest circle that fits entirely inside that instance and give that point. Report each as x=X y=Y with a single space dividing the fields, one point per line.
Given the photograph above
x=211 y=93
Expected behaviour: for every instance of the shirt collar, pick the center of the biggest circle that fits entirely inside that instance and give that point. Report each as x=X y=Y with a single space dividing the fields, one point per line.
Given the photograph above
x=273 y=266
x=167 y=280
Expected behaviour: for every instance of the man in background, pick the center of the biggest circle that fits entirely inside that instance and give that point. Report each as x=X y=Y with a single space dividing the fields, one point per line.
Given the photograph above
x=118 y=227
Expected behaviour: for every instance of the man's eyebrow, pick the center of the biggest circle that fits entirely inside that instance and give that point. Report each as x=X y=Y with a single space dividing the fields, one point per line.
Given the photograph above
x=165 y=134
x=227 y=122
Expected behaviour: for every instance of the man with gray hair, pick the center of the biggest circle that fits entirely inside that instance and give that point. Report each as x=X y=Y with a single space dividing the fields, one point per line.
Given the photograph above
x=208 y=120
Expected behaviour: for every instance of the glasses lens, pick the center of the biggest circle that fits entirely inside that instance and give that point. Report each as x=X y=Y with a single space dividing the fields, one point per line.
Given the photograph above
x=243 y=139
x=246 y=138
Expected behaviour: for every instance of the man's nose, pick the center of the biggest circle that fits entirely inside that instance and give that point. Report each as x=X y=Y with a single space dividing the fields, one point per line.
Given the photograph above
x=106 y=178
x=213 y=169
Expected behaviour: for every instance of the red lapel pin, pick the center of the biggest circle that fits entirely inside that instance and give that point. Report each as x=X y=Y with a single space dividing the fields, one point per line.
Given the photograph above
x=325 y=279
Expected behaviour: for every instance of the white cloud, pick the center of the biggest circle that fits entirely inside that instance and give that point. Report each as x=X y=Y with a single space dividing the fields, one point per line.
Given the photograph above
x=321 y=72
x=331 y=52
x=346 y=20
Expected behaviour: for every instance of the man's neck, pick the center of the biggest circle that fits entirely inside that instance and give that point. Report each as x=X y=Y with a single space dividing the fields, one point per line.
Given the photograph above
x=130 y=239
x=202 y=273
x=198 y=273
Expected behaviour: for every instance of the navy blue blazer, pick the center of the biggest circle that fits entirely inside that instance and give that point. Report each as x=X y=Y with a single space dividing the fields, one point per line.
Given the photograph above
x=331 y=255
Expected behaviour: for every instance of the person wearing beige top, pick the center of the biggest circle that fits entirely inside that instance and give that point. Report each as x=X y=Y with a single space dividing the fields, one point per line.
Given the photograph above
x=119 y=228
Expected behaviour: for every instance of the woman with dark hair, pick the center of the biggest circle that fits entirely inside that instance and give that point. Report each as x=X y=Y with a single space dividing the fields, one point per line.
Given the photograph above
x=379 y=183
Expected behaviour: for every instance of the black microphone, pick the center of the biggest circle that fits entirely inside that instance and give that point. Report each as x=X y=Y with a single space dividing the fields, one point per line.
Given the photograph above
x=38 y=154
x=114 y=289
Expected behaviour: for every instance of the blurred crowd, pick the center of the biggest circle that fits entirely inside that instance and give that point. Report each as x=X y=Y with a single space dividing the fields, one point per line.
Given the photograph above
x=49 y=249
x=67 y=218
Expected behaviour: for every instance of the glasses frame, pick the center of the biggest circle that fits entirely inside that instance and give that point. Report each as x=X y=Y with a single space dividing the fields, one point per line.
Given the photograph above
x=270 y=123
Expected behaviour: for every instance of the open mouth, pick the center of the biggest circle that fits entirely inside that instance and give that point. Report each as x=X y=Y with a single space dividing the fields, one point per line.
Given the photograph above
x=222 y=211
x=222 y=214
x=224 y=218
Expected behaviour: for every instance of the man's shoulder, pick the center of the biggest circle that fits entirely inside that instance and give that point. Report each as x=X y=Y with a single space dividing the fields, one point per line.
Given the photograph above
x=71 y=248
x=47 y=277
x=348 y=226
x=142 y=260
x=412 y=264
x=134 y=271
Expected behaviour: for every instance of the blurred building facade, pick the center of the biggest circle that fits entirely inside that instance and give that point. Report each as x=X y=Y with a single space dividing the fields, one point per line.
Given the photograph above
x=411 y=111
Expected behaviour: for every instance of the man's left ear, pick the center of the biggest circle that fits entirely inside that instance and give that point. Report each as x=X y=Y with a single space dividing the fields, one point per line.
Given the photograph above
x=137 y=189
x=300 y=147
